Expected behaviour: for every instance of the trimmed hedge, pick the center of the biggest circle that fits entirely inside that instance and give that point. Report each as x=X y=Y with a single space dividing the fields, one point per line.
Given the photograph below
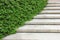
x=14 y=13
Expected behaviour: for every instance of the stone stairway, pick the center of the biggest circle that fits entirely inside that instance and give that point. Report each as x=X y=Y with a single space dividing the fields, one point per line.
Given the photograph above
x=44 y=26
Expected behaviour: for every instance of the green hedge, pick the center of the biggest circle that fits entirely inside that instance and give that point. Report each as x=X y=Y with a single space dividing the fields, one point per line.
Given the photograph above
x=14 y=13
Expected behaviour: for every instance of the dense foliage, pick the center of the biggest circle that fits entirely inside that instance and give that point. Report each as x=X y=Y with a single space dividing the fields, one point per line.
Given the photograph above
x=14 y=13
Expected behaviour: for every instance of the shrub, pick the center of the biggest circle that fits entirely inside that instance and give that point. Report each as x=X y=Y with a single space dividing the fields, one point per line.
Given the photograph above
x=14 y=13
